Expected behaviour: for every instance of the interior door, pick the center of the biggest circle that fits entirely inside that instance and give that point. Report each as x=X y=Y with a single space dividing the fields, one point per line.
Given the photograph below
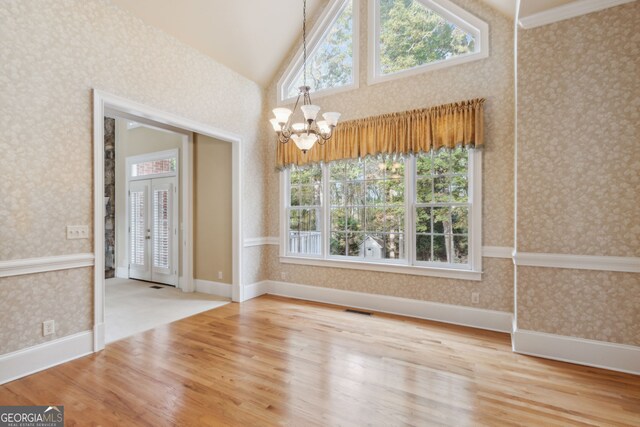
x=153 y=230
x=139 y=230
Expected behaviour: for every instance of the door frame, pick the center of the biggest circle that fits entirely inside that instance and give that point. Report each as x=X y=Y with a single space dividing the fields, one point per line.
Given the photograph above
x=175 y=214
x=103 y=101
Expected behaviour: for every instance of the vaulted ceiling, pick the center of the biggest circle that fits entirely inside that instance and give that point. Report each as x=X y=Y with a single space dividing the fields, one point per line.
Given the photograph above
x=253 y=37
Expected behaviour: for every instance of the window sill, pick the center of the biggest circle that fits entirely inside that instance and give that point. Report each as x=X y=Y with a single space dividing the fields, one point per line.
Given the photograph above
x=448 y=273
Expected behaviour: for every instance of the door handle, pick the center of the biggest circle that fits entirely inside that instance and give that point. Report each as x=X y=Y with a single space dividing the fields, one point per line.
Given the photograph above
x=148 y=234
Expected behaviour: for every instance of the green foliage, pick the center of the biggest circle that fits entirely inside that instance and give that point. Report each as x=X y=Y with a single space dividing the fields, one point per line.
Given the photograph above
x=412 y=35
x=331 y=65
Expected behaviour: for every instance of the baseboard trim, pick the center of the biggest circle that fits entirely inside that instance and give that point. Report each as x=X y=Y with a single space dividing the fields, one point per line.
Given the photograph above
x=17 y=267
x=597 y=354
x=256 y=289
x=34 y=359
x=213 y=288
x=568 y=11
x=459 y=315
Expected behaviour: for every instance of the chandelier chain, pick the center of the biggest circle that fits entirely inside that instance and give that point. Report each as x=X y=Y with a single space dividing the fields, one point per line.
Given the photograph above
x=304 y=40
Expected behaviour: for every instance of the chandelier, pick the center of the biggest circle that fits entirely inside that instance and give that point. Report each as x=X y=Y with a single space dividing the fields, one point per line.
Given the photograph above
x=305 y=133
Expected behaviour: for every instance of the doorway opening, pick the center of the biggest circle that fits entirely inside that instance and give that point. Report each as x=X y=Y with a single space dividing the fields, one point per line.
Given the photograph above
x=144 y=223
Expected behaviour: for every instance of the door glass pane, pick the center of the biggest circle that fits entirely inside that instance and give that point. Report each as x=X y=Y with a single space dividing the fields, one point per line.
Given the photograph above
x=161 y=228
x=137 y=224
x=154 y=167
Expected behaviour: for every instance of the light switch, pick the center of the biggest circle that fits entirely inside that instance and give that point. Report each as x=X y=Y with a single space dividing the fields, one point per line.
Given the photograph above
x=77 y=232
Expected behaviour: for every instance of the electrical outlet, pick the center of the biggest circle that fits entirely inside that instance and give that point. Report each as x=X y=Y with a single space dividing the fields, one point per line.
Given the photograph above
x=475 y=297
x=284 y=275
x=48 y=327
x=77 y=232
x=219 y=274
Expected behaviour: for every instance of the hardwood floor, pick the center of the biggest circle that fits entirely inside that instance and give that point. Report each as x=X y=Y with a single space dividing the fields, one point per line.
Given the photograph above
x=276 y=361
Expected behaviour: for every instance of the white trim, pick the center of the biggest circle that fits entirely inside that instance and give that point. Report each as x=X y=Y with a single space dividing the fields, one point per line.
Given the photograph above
x=581 y=262
x=259 y=241
x=459 y=315
x=314 y=38
x=122 y=272
x=213 y=288
x=451 y=12
x=599 y=354
x=102 y=101
x=449 y=273
x=497 y=252
x=16 y=267
x=43 y=356
x=567 y=11
x=254 y=290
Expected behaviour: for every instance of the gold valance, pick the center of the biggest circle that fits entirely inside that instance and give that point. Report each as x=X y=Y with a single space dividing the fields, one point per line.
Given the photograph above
x=450 y=125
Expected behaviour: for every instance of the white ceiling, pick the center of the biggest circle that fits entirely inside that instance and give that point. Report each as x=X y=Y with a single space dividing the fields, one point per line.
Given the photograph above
x=253 y=37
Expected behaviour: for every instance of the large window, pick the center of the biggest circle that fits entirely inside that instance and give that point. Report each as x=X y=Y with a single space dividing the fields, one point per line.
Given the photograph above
x=411 y=36
x=419 y=212
x=332 y=54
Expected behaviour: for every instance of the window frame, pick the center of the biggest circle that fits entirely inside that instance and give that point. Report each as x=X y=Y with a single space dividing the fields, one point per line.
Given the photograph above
x=314 y=38
x=470 y=271
x=449 y=11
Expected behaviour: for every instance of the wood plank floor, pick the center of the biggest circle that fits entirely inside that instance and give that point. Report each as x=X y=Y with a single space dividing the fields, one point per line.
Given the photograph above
x=277 y=361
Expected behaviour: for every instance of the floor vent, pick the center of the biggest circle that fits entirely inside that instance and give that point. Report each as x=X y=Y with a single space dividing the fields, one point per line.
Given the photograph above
x=364 y=313
x=156 y=287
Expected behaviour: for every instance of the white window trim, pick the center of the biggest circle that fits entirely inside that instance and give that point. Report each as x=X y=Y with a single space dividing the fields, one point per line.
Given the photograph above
x=450 y=12
x=315 y=36
x=472 y=271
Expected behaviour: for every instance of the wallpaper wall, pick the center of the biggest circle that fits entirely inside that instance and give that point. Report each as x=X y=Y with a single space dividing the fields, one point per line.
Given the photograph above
x=53 y=52
x=491 y=78
x=579 y=172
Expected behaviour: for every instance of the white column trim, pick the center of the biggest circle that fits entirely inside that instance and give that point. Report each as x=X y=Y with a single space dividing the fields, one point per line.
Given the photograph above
x=567 y=11
x=16 y=267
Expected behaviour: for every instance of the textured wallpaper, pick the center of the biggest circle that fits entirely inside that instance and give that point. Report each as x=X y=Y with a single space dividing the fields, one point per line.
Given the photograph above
x=27 y=301
x=53 y=52
x=597 y=305
x=579 y=135
x=491 y=78
x=579 y=172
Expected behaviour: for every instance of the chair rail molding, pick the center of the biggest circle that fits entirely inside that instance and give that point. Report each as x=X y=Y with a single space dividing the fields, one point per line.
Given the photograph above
x=260 y=241
x=580 y=262
x=17 y=267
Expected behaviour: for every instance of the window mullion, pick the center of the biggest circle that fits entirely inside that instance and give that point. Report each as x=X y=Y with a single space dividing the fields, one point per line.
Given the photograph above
x=326 y=211
x=409 y=203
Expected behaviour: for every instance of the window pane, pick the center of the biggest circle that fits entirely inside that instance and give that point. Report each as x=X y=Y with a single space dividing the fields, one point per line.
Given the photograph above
x=459 y=193
x=331 y=64
x=305 y=187
x=294 y=219
x=337 y=170
x=460 y=249
x=337 y=194
x=425 y=190
x=394 y=246
x=295 y=196
x=338 y=220
x=355 y=193
x=459 y=160
x=423 y=220
x=394 y=219
x=412 y=35
x=355 y=221
x=423 y=247
x=307 y=195
x=441 y=162
x=442 y=220
x=440 y=249
x=354 y=244
x=441 y=191
x=394 y=191
x=375 y=192
x=460 y=220
x=375 y=219
x=338 y=245
x=374 y=168
x=372 y=247
x=423 y=164
x=154 y=167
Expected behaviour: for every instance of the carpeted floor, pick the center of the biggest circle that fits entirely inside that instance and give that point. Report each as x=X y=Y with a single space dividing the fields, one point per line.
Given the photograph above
x=132 y=306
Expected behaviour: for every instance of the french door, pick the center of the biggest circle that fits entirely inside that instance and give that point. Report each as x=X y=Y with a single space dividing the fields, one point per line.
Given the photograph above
x=153 y=230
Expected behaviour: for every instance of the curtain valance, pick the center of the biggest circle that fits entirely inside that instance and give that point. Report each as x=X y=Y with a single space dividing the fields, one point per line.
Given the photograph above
x=449 y=125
